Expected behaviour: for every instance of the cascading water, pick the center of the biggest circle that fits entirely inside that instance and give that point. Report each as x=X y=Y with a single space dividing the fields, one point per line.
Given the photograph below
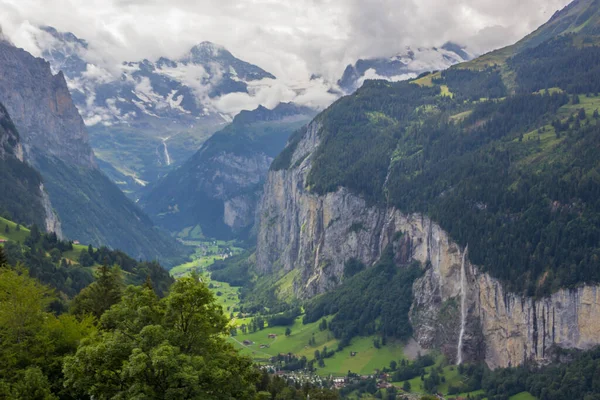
x=166 y=150
x=463 y=307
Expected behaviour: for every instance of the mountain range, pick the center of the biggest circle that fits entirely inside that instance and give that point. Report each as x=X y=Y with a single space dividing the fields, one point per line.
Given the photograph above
x=145 y=118
x=53 y=139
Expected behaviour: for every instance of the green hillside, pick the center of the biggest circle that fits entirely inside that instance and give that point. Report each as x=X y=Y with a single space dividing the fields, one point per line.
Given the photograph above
x=69 y=267
x=504 y=157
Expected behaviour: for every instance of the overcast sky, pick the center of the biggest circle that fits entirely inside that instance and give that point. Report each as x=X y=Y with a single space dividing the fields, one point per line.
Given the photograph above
x=289 y=38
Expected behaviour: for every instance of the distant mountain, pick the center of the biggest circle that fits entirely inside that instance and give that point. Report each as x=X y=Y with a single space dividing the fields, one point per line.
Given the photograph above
x=403 y=66
x=172 y=89
x=215 y=192
x=147 y=117
x=91 y=208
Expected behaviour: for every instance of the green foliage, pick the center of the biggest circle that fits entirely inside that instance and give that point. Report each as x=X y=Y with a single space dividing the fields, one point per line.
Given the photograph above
x=34 y=341
x=376 y=300
x=577 y=376
x=469 y=85
x=32 y=384
x=356 y=148
x=409 y=370
x=42 y=251
x=558 y=63
x=233 y=270
x=352 y=267
x=172 y=348
x=100 y=295
x=3 y=259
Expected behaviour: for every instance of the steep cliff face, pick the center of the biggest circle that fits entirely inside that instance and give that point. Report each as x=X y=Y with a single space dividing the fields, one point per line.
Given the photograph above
x=41 y=107
x=456 y=308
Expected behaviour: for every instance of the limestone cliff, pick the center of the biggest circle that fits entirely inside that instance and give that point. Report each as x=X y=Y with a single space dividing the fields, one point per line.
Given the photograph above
x=454 y=302
x=41 y=107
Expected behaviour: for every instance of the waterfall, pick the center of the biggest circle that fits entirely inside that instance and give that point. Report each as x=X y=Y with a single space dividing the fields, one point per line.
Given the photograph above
x=166 y=150
x=463 y=307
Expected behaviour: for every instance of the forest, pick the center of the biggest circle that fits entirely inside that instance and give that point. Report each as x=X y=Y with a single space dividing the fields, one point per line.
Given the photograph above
x=374 y=301
x=117 y=341
x=514 y=176
x=44 y=256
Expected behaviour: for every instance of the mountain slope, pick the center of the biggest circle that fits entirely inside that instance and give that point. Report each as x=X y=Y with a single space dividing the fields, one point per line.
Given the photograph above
x=55 y=141
x=217 y=189
x=478 y=173
x=21 y=189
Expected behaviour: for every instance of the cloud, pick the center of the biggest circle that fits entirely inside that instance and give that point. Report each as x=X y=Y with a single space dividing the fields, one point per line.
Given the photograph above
x=289 y=38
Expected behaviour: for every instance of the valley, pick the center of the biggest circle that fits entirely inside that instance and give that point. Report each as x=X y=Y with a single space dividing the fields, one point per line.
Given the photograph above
x=192 y=226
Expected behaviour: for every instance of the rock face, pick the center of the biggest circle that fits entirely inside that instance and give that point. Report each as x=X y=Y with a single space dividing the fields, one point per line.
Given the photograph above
x=41 y=107
x=454 y=302
x=52 y=223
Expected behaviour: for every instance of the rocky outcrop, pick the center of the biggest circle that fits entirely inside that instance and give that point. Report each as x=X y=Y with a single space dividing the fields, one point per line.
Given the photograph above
x=91 y=208
x=52 y=221
x=41 y=107
x=318 y=234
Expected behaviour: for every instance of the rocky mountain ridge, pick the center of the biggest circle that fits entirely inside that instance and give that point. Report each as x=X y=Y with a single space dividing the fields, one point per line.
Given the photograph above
x=23 y=194
x=41 y=107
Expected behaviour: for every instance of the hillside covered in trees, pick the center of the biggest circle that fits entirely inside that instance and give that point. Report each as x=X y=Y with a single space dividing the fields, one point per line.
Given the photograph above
x=500 y=151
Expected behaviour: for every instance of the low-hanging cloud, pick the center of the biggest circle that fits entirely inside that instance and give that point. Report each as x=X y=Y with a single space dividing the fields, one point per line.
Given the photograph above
x=289 y=38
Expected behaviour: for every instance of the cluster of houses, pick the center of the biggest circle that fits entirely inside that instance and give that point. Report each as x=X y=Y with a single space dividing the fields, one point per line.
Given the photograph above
x=297 y=377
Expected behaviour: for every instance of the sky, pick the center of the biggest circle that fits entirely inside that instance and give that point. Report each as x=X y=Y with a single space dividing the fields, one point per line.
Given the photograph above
x=292 y=39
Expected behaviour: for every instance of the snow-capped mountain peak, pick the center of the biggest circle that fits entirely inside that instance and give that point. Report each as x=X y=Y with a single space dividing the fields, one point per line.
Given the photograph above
x=405 y=65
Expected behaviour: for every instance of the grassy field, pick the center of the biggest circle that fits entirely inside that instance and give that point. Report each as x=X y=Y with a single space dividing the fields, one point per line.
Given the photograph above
x=13 y=235
x=207 y=252
x=366 y=360
x=523 y=396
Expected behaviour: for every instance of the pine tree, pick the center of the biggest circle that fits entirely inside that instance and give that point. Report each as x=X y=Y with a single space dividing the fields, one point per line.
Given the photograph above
x=3 y=259
x=100 y=295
